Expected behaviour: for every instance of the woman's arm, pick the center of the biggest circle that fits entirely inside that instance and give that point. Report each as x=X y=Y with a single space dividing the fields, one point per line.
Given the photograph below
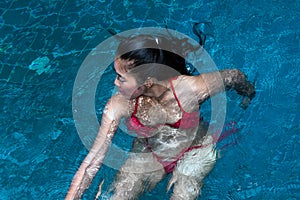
x=209 y=84
x=114 y=111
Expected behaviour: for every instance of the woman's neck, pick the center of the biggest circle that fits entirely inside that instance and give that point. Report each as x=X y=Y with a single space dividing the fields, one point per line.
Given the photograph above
x=157 y=90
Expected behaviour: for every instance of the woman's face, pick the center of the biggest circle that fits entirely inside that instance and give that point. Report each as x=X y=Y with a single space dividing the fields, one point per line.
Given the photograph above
x=126 y=82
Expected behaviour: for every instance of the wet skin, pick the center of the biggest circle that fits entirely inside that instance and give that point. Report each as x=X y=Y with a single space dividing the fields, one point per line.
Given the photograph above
x=154 y=94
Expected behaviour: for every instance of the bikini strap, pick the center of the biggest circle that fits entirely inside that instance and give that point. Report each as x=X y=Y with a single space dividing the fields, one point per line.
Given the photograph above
x=173 y=90
x=135 y=107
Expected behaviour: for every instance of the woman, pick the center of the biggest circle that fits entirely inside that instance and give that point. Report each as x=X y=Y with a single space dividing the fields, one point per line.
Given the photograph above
x=161 y=106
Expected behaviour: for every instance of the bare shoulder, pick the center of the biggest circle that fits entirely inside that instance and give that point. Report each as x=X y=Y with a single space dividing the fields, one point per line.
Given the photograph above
x=188 y=90
x=192 y=83
x=118 y=106
x=195 y=86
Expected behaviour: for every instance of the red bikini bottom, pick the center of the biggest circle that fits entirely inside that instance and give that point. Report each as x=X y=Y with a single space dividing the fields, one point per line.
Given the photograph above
x=169 y=166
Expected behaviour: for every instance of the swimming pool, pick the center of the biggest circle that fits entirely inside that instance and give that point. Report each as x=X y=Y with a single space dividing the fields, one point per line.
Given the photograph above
x=43 y=44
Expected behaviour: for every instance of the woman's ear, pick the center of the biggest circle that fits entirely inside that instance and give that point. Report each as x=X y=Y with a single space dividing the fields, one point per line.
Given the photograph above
x=149 y=82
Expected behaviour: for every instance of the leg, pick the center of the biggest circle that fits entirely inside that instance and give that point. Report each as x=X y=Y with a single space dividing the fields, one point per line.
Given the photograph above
x=140 y=172
x=129 y=185
x=186 y=188
x=191 y=170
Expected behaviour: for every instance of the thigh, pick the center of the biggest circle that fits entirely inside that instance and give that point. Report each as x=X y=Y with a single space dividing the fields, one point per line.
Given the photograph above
x=140 y=172
x=191 y=169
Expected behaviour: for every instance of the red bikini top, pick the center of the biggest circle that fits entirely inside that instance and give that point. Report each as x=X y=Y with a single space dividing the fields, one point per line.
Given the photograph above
x=188 y=120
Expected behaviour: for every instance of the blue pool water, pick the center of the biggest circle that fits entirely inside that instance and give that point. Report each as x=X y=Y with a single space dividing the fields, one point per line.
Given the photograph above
x=43 y=43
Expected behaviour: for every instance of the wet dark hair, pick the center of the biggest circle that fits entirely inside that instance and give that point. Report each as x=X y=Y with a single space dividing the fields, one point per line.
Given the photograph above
x=141 y=55
x=153 y=51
